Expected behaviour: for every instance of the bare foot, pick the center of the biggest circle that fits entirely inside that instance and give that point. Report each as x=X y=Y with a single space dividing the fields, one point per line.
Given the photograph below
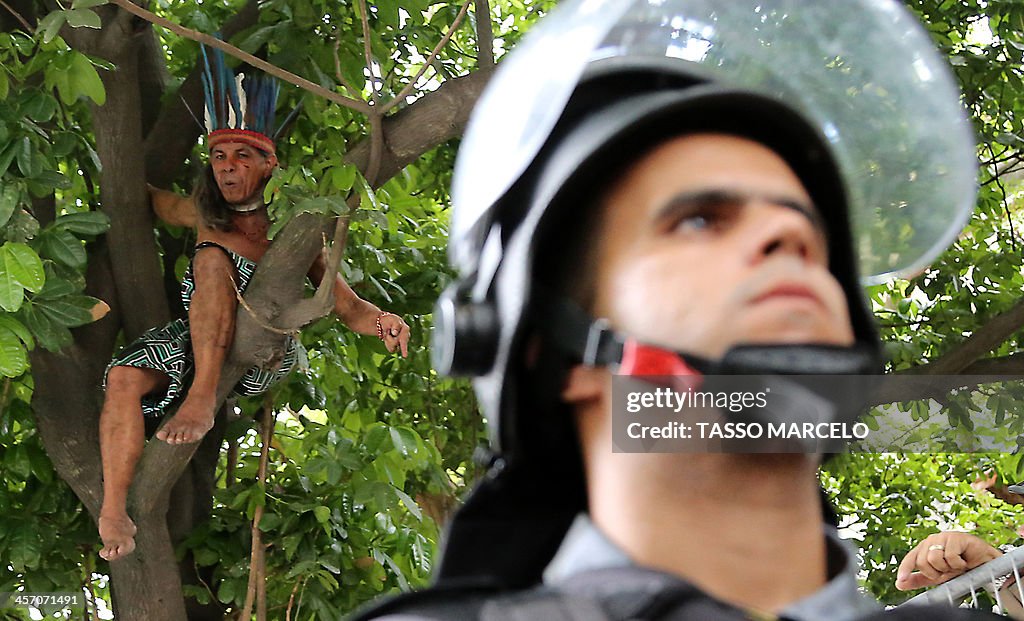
x=191 y=422
x=118 y=535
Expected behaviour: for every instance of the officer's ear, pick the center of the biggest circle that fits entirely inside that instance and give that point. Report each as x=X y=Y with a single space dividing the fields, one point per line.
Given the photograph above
x=584 y=384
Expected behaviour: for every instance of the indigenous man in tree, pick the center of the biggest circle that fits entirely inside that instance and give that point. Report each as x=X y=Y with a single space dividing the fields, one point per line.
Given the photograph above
x=186 y=356
x=667 y=190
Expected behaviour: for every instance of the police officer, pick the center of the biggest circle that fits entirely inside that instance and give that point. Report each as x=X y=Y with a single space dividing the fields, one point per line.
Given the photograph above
x=681 y=188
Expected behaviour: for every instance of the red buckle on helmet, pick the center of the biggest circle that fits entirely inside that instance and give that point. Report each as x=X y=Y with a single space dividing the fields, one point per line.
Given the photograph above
x=640 y=360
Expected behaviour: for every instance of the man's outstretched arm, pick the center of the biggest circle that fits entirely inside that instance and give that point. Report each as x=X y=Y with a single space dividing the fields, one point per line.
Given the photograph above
x=364 y=317
x=173 y=208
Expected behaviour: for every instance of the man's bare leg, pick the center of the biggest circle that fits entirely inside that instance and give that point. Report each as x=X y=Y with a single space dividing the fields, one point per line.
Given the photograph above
x=211 y=319
x=122 y=436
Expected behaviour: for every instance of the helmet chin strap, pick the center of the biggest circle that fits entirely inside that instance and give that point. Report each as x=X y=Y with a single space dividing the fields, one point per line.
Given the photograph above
x=595 y=343
x=800 y=394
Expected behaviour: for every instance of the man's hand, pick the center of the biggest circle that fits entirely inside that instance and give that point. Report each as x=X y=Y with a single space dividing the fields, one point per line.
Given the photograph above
x=394 y=332
x=941 y=557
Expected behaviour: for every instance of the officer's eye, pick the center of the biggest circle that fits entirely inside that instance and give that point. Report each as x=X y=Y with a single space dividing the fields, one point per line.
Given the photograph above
x=694 y=223
x=702 y=218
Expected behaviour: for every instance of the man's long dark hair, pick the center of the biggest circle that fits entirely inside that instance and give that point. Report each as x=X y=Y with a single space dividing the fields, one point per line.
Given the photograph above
x=213 y=209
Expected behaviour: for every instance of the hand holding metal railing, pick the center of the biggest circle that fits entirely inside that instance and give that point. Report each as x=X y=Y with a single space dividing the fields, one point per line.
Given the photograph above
x=1000 y=577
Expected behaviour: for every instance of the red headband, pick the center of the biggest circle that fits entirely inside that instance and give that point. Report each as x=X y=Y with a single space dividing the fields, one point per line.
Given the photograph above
x=251 y=138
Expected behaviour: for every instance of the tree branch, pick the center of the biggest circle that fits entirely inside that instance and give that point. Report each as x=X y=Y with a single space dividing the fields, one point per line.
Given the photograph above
x=257 y=564
x=911 y=386
x=337 y=69
x=433 y=55
x=484 y=34
x=227 y=48
x=436 y=117
x=368 y=53
x=17 y=16
x=984 y=340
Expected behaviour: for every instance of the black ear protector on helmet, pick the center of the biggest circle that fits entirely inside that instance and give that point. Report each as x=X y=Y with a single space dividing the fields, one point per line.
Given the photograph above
x=465 y=333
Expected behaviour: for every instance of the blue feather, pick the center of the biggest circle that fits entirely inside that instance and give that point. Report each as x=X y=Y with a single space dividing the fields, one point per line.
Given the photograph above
x=218 y=68
x=275 y=91
x=208 y=91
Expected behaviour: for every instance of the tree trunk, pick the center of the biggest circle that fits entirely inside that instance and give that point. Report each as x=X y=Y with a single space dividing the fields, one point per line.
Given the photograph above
x=118 y=129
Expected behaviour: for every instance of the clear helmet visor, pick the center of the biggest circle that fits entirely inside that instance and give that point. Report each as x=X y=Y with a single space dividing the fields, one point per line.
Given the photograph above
x=864 y=72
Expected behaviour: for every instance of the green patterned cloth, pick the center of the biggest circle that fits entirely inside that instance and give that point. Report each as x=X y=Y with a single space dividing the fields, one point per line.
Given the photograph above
x=168 y=349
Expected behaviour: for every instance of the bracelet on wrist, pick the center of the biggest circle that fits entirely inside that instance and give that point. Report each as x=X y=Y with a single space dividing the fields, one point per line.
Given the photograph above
x=380 y=328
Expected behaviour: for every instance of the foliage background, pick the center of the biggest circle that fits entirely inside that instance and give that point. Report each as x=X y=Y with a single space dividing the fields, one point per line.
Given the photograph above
x=371 y=451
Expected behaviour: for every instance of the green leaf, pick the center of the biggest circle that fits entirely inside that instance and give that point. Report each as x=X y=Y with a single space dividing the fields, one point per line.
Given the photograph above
x=70 y=312
x=11 y=293
x=4 y=85
x=8 y=322
x=79 y=18
x=51 y=24
x=62 y=246
x=205 y=556
x=51 y=180
x=13 y=357
x=9 y=199
x=25 y=158
x=87 y=4
x=63 y=144
x=42 y=467
x=51 y=336
x=84 y=80
x=409 y=503
x=269 y=522
x=40 y=107
x=23 y=265
x=322 y=513
x=22 y=226
x=84 y=223
x=55 y=287
x=343 y=177
x=399 y=442
x=7 y=156
x=17 y=461
x=368 y=193
x=226 y=592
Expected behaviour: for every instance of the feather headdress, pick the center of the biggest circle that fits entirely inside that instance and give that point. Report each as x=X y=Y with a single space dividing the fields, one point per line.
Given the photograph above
x=239 y=108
